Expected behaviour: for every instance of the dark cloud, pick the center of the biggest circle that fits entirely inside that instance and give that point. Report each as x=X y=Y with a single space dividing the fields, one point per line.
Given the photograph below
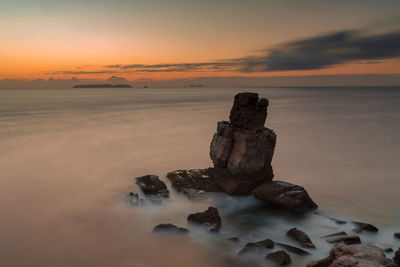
x=328 y=50
x=308 y=54
x=313 y=53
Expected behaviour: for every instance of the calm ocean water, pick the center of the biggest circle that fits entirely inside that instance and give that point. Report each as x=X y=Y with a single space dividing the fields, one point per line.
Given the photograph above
x=68 y=157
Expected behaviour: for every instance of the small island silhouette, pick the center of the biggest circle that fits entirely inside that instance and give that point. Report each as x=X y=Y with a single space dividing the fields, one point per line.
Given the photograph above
x=103 y=85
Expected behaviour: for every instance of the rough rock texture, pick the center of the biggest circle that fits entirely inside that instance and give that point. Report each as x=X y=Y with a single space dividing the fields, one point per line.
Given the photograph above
x=360 y=226
x=302 y=238
x=171 y=228
x=198 y=179
x=354 y=256
x=348 y=240
x=279 y=257
x=242 y=149
x=152 y=185
x=209 y=218
x=285 y=195
x=259 y=246
x=396 y=258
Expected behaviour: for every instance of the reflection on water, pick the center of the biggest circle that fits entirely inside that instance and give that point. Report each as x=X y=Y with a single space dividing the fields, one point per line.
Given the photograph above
x=67 y=157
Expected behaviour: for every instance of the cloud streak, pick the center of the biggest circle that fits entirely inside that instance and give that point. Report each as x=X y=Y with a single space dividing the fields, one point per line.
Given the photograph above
x=313 y=53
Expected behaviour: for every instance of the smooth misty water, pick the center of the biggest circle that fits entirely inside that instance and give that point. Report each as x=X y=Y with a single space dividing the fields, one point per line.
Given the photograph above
x=68 y=157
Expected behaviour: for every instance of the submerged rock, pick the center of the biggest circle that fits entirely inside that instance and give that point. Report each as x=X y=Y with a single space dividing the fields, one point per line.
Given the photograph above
x=152 y=185
x=348 y=240
x=171 y=228
x=242 y=149
x=285 y=195
x=279 y=257
x=397 y=235
x=302 y=238
x=259 y=246
x=353 y=256
x=134 y=199
x=360 y=226
x=197 y=179
x=295 y=250
x=209 y=218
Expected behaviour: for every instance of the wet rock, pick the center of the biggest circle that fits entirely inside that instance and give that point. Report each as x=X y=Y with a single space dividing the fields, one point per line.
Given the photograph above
x=354 y=256
x=259 y=246
x=348 y=240
x=242 y=149
x=285 y=195
x=335 y=234
x=295 y=250
x=396 y=258
x=388 y=250
x=152 y=185
x=188 y=181
x=279 y=257
x=397 y=235
x=302 y=238
x=134 y=199
x=170 y=228
x=209 y=218
x=360 y=226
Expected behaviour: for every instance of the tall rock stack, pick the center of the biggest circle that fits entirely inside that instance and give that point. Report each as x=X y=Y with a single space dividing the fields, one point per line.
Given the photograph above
x=242 y=149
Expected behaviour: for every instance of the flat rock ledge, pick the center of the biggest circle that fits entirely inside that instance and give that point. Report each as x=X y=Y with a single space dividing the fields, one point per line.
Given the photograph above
x=194 y=183
x=364 y=255
x=285 y=195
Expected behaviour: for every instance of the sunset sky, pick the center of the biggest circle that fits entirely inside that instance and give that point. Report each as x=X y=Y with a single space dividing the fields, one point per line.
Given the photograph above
x=175 y=39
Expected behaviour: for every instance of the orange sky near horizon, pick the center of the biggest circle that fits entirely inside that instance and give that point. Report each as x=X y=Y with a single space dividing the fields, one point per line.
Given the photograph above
x=43 y=38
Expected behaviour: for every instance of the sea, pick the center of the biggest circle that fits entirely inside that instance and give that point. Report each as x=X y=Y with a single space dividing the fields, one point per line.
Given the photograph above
x=69 y=157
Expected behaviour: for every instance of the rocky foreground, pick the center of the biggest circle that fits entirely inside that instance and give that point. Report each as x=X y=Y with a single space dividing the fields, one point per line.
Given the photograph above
x=242 y=150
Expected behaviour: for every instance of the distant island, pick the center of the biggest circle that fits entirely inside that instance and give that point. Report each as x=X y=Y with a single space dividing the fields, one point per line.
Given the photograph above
x=103 y=85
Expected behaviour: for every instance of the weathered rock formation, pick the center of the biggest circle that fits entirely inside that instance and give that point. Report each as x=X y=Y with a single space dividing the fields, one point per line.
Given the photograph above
x=302 y=238
x=285 y=195
x=152 y=185
x=354 y=256
x=209 y=218
x=242 y=149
